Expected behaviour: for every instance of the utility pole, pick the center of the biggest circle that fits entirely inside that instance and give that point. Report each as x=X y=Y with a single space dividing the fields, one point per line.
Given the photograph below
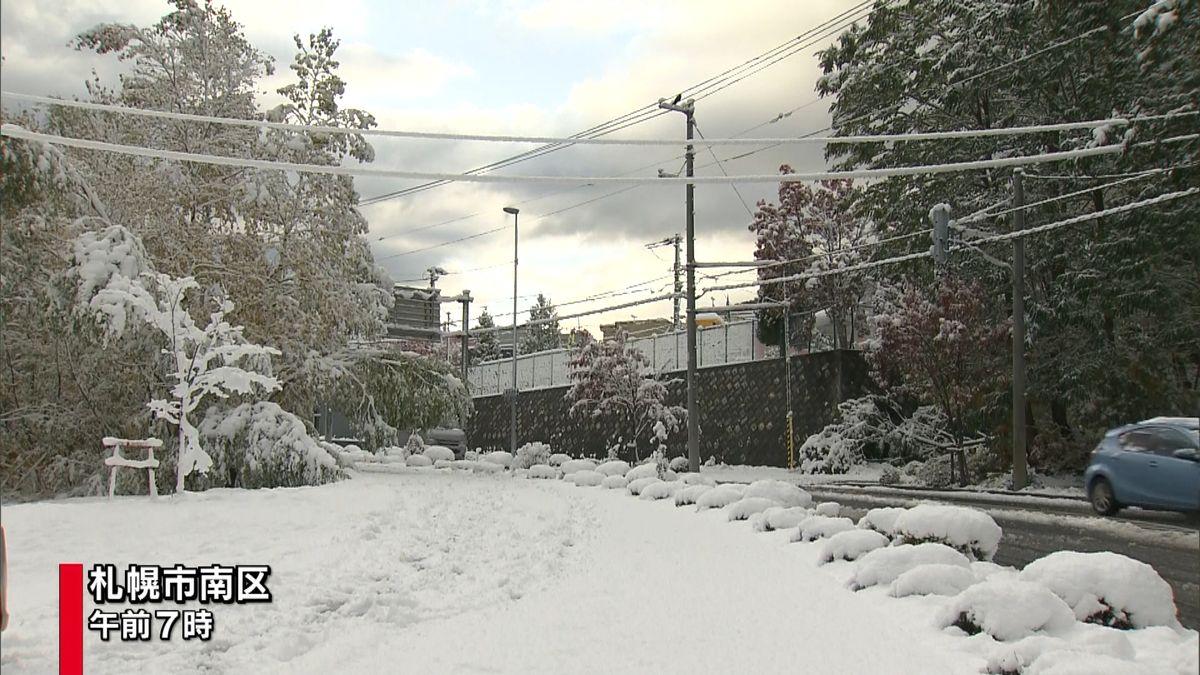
x=688 y=108
x=513 y=403
x=1020 y=476
x=434 y=274
x=447 y=338
x=466 y=339
x=675 y=241
x=940 y=215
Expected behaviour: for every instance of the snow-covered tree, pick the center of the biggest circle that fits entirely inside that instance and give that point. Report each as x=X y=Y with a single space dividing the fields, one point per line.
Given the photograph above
x=941 y=347
x=118 y=285
x=543 y=336
x=489 y=345
x=612 y=382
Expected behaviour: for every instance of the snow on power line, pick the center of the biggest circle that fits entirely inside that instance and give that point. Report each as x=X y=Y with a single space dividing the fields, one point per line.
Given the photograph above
x=15 y=131
x=974 y=242
x=574 y=140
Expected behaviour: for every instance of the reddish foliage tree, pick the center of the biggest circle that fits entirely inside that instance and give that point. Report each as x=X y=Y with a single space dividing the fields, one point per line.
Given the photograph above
x=941 y=347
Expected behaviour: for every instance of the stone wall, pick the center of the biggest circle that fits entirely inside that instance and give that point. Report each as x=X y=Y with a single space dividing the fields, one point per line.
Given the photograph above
x=742 y=410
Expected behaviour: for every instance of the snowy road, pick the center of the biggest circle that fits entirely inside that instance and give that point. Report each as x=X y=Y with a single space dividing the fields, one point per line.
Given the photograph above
x=1167 y=541
x=453 y=573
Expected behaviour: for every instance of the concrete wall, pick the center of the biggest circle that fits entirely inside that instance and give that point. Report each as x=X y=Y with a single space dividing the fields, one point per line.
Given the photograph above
x=742 y=410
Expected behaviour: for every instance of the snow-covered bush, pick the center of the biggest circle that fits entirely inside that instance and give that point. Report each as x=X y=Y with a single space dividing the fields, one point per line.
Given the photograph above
x=1106 y=588
x=648 y=470
x=1007 y=610
x=660 y=490
x=258 y=445
x=889 y=475
x=614 y=467
x=696 y=479
x=558 y=459
x=748 y=506
x=587 y=478
x=882 y=520
x=415 y=444
x=785 y=518
x=418 y=461
x=827 y=452
x=718 y=497
x=821 y=527
x=570 y=467
x=530 y=454
x=543 y=471
x=690 y=494
x=933 y=472
x=1077 y=662
x=635 y=486
x=500 y=458
x=784 y=493
x=678 y=464
x=1115 y=650
x=831 y=509
x=969 y=530
x=851 y=545
x=438 y=453
x=936 y=579
x=484 y=466
x=615 y=482
x=883 y=565
x=465 y=464
x=443 y=463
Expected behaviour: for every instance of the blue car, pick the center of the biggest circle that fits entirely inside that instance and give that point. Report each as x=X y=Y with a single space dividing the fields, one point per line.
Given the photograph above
x=1153 y=464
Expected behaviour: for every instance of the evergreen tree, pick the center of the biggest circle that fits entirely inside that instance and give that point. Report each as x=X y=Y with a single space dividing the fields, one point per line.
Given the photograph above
x=542 y=336
x=489 y=345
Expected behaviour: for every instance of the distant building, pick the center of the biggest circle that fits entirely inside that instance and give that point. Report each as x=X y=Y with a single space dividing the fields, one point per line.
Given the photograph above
x=636 y=328
x=415 y=314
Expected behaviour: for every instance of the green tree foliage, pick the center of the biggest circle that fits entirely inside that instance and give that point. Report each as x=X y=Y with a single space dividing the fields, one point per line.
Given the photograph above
x=489 y=344
x=543 y=336
x=1113 y=307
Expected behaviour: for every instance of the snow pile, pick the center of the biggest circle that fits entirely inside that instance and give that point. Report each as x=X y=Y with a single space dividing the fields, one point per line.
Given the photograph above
x=587 y=478
x=443 y=464
x=1073 y=662
x=883 y=565
x=642 y=471
x=418 y=461
x=821 y=527
x=785 y=518
x=933 y=580
x=688 y=495
x=571 y=466
x=748 y=506
x=1106 y=588
x=1007 y=610
x=531 y=454
x=484 y=466
x=784 y=493
x=831 y=509
x=636 y=485
x=984 y=570
x=543 y=471
x=263 y=445
x=465 y=464
x=850 y=545
x=882 y=520
x=718 y=497
x=660 y=490
x=969 y=530
x=614 y=482
x=697 y=479
x=558 y=459
x=437 y=453
x=614 y=467
x=500 y=458
x=678 y=464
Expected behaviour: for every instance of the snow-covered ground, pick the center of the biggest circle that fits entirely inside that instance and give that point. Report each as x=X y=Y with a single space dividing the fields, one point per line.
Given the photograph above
x=430 y=571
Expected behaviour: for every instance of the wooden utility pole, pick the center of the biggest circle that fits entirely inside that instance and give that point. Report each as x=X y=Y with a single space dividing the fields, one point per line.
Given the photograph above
x=1020 y=473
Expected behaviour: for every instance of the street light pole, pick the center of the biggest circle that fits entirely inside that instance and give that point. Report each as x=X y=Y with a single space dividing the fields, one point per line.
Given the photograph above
x=513 y=401
x=688 y=108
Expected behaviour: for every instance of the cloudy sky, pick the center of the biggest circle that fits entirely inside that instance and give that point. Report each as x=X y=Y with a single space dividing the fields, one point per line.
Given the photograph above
x=544 y=67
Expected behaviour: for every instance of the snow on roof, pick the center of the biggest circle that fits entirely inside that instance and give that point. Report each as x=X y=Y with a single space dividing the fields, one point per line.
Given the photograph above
x=1189 y=422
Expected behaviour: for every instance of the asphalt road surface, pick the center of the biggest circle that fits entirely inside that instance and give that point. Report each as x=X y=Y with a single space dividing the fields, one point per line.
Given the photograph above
x=1166 y=541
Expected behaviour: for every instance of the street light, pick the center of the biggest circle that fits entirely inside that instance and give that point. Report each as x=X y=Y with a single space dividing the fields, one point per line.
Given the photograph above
x=513 y=400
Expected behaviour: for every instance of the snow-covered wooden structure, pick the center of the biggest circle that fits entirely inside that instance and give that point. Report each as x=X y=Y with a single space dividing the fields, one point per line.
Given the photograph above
x=118 y=460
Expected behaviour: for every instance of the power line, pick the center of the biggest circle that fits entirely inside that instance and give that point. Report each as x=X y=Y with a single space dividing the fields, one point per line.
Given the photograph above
x=999 y=237
x=1023 y=160
x=723 y=172
x=602 y=310
x=637 y=116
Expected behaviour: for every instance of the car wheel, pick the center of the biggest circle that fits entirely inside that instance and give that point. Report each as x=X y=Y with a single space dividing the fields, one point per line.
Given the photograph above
x=1103 y=500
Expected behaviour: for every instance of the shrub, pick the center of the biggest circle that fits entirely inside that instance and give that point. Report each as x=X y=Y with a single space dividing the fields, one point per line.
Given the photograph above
x=970 y=531
x=531 y=454
x=260 y=445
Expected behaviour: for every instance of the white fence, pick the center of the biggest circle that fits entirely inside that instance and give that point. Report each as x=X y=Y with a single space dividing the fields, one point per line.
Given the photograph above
x=716 y=345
